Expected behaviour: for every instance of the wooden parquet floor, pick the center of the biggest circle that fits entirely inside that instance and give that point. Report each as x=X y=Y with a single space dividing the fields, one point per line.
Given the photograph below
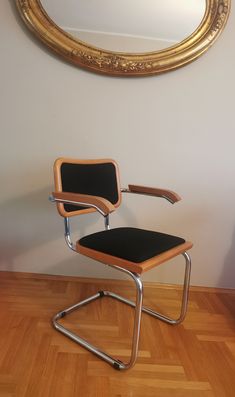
x=194 y=359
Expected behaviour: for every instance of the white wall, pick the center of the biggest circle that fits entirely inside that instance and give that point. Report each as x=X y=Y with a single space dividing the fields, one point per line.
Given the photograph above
x=175 y=130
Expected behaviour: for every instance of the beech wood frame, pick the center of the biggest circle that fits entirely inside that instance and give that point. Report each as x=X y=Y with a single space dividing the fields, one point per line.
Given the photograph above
x=58 y=187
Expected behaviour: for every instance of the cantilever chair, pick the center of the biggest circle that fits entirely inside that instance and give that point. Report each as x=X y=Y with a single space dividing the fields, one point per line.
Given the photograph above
x=84 y=186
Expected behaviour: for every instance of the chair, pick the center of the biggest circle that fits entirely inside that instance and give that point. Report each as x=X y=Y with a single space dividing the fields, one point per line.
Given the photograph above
x=85 y=186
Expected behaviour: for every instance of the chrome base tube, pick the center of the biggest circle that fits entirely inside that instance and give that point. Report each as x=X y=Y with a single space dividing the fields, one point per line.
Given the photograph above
x=117 y=364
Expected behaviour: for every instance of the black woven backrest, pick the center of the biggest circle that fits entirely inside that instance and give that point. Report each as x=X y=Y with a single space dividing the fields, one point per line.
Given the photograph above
x=93 y=177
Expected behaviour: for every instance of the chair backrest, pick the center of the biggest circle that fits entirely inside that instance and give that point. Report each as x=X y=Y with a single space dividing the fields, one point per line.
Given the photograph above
x=93 y=177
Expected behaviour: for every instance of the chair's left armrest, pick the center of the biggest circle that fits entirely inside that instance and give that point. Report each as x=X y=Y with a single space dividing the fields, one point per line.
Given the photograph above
x=99 y=203
x=169 y=195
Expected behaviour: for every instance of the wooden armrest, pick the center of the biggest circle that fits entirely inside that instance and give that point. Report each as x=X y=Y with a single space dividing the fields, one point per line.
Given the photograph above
x=158 y=192
x=101 y=204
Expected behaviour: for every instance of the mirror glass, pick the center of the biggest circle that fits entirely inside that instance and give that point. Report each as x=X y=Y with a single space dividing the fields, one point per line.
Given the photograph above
x=127 y=25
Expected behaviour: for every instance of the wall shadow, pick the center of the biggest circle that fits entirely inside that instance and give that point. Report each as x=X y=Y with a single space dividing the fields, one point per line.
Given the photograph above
x=227 y=278
x=30 y=221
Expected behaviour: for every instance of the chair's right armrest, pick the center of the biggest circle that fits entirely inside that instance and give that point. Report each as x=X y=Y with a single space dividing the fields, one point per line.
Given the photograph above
x=102 y=205
x=169 y=195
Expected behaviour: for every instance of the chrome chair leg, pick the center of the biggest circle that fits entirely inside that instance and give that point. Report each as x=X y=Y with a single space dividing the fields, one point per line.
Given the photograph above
x=184 y=302
x=117 y=364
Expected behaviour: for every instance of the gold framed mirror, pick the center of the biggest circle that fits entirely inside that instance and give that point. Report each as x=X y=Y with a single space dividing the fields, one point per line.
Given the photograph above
x=121 y=63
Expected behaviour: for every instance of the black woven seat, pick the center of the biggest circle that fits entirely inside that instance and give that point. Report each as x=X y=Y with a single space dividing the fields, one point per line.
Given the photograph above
x=132 y=244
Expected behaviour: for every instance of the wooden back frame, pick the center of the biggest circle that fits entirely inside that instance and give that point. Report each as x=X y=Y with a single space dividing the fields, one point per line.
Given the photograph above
x=58 y=183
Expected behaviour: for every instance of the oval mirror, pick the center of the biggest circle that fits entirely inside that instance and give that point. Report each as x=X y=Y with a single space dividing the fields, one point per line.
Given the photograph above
x=151 y=26
x=127 y=37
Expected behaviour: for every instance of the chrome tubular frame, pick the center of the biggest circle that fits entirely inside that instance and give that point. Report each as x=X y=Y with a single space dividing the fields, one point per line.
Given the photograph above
x=67 y=234
x=106 y=222
x=67 y=231
x=117 y=364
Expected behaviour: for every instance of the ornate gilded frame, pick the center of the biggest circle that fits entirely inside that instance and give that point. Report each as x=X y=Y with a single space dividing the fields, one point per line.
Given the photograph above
x=126 y=64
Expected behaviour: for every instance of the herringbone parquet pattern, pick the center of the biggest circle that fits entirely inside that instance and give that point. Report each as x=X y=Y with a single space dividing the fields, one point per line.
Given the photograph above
x=194 y=359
